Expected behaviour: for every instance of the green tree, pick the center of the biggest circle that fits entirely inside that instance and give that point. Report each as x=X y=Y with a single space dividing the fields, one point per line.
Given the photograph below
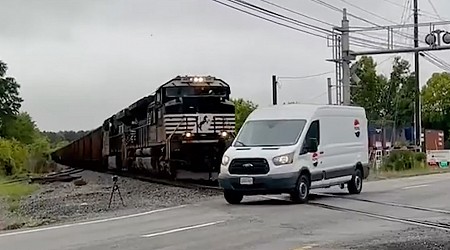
x=398 y=96
x=436 y=102
x=368 y=90
x=243 y=108
x=384 y=99
x=56 y=137
x=21 y=128
x=10 y=101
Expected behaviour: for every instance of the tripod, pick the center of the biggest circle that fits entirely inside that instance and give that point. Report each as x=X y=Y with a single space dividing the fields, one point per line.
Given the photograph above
x=115 y=187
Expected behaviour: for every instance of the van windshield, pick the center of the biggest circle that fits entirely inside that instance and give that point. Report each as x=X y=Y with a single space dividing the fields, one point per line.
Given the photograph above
x=270 y=133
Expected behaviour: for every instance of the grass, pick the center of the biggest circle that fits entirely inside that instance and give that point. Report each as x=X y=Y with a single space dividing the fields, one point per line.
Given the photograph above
x=14 y=192
x=383 y=174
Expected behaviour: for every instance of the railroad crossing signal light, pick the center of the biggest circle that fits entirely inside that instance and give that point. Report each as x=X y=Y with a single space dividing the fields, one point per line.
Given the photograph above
x=446 y=38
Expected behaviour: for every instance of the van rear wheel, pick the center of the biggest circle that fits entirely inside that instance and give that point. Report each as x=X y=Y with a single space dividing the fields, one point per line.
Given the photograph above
x=301 y=193
x=233 y=197
x=354 y=186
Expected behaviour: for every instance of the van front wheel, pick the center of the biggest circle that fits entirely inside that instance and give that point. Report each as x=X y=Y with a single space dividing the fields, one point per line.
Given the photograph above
x=301 y=193
x=354 y=186
x=233 y=197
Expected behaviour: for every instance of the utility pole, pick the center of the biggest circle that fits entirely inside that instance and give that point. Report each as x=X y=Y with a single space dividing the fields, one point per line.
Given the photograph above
x=274 y=89
x=345 y=59
x=418 y=120
x=330 y=99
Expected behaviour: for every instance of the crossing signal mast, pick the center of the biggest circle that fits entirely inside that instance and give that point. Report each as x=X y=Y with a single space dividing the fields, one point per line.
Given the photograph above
x=343 y=56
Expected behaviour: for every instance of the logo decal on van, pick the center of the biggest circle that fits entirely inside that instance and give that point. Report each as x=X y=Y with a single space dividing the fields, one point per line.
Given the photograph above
x=357 y=128
x=315 y=159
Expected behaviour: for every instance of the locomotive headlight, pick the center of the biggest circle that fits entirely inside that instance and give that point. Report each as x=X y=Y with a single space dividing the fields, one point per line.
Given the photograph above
x=198 y=79
x=225 y=160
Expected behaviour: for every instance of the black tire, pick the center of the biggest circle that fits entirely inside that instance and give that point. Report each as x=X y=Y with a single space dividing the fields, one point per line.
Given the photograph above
x=354 y=186
x=301 y=193
x=233 y=197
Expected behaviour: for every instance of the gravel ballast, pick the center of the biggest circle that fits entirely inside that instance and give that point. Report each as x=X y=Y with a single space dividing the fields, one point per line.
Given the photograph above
x=62 y=202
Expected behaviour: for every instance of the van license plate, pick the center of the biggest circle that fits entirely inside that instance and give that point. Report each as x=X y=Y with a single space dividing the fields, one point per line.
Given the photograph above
x=246 y=181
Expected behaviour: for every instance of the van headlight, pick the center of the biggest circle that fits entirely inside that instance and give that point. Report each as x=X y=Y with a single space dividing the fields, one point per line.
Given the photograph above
x=283 y=159
x=225 y=160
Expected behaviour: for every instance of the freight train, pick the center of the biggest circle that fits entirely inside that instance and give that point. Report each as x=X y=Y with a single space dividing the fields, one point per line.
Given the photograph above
x=179 y=132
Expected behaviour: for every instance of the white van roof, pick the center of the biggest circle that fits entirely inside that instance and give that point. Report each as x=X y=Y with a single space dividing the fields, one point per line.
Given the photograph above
x=303 y=111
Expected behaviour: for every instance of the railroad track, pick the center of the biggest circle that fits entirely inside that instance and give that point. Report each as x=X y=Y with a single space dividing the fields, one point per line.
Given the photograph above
x=392 y=204
x=182 y=184
x=428 y=224
x=422 y=223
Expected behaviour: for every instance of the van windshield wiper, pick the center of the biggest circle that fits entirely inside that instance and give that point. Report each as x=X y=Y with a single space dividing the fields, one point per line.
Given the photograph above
x=242 y=144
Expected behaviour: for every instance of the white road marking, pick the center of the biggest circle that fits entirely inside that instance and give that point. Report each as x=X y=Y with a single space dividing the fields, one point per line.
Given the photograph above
x=417 y=186
x=183 y=229
x=91 y=222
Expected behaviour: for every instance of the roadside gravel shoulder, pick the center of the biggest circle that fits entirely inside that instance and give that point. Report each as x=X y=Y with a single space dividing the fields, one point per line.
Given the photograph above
x=64 y=202
x=414 y=238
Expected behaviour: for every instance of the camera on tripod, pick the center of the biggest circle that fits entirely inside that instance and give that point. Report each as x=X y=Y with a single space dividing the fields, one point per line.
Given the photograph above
x=115 y=178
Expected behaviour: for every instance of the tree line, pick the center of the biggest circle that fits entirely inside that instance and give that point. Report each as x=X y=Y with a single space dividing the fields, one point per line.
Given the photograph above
x=384 y=98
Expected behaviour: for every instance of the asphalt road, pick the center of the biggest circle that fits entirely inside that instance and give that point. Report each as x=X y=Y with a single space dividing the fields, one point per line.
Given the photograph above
x=267 y=222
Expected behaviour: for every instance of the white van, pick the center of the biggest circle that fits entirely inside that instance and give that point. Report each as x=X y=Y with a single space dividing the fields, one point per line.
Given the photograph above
x=294 y=148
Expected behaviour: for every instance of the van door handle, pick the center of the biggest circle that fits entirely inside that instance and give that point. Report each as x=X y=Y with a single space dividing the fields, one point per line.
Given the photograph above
x=321 y=152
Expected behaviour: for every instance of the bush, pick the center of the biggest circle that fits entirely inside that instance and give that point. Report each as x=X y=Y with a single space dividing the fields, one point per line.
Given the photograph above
x=17 y=159
x=13 y=157
x=400 y=160
x=421 y=157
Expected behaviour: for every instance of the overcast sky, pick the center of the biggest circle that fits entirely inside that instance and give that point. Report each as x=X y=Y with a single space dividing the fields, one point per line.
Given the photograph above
x=80 y=61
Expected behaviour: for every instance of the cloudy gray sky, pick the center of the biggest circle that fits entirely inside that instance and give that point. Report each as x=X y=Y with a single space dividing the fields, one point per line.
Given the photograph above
x=79 y=61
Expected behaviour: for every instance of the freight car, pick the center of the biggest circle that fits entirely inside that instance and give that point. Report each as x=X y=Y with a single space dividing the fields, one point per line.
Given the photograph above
x=178 y=132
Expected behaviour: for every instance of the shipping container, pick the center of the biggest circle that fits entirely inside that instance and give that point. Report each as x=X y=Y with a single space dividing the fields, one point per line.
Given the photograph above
x=433 y=139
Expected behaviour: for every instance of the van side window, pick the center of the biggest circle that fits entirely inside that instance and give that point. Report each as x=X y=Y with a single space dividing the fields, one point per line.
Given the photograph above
x=313 y=132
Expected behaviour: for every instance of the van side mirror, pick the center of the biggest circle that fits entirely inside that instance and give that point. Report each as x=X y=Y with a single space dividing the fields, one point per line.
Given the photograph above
x=312 y=145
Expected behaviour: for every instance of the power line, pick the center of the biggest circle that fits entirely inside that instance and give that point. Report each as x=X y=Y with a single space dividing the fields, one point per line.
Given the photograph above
x=434 y=9
x=366 y=11
x=279 y=16
x=269 y=20
x=424 y=13
x=326 y=23
x=405 y=10
x=297 y=13
x=436 y=61
x=304 y=77
x=360 y=18
x=332 y=7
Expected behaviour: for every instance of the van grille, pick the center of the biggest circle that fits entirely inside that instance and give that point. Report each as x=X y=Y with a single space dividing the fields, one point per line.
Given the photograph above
x=249 y=166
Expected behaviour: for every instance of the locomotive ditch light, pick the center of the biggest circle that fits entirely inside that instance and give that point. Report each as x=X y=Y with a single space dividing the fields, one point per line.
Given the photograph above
x=188 y=134
x=224 y=133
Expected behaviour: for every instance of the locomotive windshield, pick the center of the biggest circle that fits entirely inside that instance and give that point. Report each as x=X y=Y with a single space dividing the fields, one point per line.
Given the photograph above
x=196 y=91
